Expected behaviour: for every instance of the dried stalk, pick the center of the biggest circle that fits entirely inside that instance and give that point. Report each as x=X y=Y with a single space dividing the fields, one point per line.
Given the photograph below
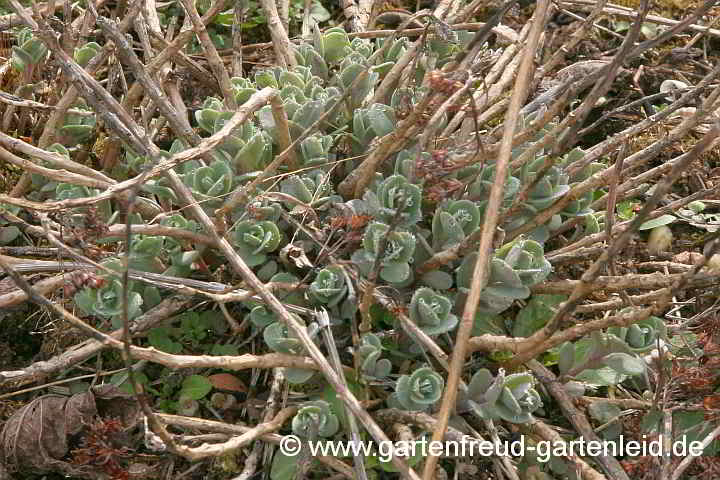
x=281 y=43
x=481 y=273
x=545 y=432
x=211 y=425
x=81 y=352
x=609 y=464
x=626 y=12
x=216 y=64
x=217 y=449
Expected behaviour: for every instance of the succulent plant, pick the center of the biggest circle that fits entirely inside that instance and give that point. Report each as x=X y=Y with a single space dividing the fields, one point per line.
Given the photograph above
x=181 y=260
x=430 y=311
x=87 y=52
x=305 y=241
x=332 y=45
x=601 y=359
x=211 y=183
x=312 y=188
x=107 y=300
x=418 y=391
x=78 y=127
x=315 y=150
x=453 y=221
x=394 y=259
x=206 y=117
x=511 y=398
x=372 y=366
x=261 y=317
x=65 y=191
x=526 y=259
x=376 y=121
x=329 y=286
x=504 y=285
x=549 y=188
x=280 y=339
x=314 y=419
x=28 y=52
x=145 y=253
x=642 y=336
x=254 y=239
x=395 y=199
x=308 y=56
x=242 y=89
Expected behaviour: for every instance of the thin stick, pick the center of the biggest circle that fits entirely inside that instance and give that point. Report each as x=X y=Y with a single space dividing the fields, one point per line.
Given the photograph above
x=480 y=273
x=217 y=449
x=281 y=43
x=577 y=418
x=213 y=58
x=685 y=462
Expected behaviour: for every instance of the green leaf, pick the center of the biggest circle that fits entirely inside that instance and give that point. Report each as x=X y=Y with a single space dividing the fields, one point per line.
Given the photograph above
x=658 y=222
x=8 y=234
x=604 y=411
x=250 y=157
x=697 y=206
x=438 y=279
x=487 y=323
x=195 y=387
x=539 y=310
x=298 y=376
x=566 y=357
x=319 y=13
x=380 y=120
x=625 y=363
x=121 y=380
x=395 y=272
x=283 y=467
x=334 y=43
x=36 y=49
x=20 y=59
x=692 y=426
x=159 y=337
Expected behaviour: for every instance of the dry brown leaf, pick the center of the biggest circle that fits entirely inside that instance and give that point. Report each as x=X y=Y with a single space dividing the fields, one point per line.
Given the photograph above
x=35 y=438
x=227 y=381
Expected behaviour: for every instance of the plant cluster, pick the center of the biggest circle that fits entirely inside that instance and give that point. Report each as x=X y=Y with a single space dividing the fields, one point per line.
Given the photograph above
x=403 y=251
x=396 y=237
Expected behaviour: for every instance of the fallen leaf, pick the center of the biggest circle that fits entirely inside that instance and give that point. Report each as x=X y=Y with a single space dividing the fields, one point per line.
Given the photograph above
x=227 y=381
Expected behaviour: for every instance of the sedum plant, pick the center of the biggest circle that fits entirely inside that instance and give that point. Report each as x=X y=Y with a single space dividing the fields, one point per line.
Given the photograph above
x=395 y=201
x=394 y=259
x=600 y=359
x=87 y=52
x=255 y=239
x=29 y=51
x=402 y=219
x=280 y=339
x=314 y=419
x=513 y=268
x=418 y=391
x=210 y=184
x=329 y=287
x=453 y=222
x=79 y=128
x=372 y=366
x=431 y=312
x=511 y=398
x=107 y=300
x=311 y=189
x=642 y=336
